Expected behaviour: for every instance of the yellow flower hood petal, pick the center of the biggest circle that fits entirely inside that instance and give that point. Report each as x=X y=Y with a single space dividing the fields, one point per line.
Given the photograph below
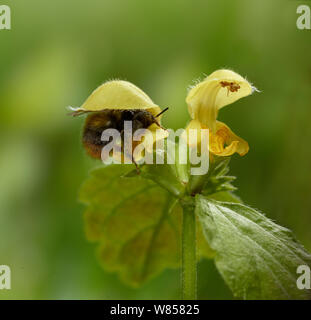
x=118 y=94
x=219 y=89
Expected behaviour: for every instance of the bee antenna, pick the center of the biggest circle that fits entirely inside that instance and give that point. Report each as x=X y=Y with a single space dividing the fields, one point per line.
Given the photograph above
x=161 y=112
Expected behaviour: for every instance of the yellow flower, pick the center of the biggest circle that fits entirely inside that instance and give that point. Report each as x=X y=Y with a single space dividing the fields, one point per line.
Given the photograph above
x=118 y=94
x=219 y=89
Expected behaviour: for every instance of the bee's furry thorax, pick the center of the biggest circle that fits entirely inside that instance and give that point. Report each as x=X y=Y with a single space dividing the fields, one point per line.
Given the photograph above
x=97 y=122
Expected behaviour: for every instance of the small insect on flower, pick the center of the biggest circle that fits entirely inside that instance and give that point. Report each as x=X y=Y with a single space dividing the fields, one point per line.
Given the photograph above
x=108 y=107
x=231 y=86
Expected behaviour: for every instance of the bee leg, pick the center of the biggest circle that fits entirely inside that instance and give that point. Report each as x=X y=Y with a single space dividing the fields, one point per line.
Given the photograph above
x=136 y=165
x=133 y=160
x=122 y=136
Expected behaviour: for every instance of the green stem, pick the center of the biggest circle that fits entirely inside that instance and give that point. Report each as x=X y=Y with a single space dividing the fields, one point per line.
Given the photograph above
x=189 y=261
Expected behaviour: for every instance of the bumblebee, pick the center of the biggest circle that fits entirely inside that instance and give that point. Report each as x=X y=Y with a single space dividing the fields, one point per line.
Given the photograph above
x=109 y=106
x=97 y=122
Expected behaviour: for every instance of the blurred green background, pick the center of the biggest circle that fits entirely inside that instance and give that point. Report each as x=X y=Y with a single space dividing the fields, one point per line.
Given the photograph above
x=59 y=51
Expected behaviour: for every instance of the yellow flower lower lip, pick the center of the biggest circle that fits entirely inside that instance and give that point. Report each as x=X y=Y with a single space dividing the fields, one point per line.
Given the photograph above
x=222 y=143
x=225 y=142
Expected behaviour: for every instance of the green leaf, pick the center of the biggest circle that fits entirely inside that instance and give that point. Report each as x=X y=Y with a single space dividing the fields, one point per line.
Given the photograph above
x=171 y=177
x=257 y=258
x=136 y=224
x=165 y=176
